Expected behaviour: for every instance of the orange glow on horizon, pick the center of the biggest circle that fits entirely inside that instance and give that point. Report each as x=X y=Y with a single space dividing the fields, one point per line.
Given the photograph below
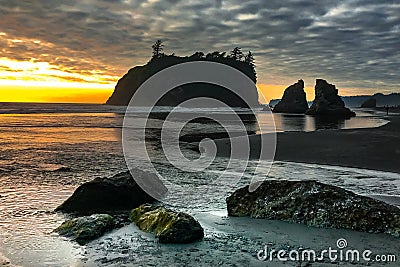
x=54 y=95
x=98 y=94
x=273 y=91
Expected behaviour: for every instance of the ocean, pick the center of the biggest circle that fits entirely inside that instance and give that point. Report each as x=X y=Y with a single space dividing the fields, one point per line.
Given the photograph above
x=47 y=150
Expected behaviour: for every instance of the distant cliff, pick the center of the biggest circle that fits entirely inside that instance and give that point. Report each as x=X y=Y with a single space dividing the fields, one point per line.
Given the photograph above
x=132 y=80
x=381 y=100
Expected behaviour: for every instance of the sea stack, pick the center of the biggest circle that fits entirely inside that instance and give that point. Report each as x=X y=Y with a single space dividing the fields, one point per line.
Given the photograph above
x=293 y=100
x=327 y=102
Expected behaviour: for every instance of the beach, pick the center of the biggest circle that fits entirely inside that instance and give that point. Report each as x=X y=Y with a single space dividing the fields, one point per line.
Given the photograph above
x=58 y=148
x=370 y=148
x=376 y=148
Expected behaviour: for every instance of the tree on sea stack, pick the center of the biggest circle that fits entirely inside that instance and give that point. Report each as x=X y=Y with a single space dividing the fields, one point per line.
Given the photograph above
x=158 y=48
x=237 y=54
x=249 y=59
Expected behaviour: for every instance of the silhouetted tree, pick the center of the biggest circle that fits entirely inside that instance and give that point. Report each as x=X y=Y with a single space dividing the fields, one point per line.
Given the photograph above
x=197 y=55
x=158 y=48
x=249 y=59
x=237 y=54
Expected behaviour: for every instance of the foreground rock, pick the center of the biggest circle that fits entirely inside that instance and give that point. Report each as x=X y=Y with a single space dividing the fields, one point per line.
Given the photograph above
x=104 y=195
x=293 y=100
x=315 y=204
x=85 y=229
x=369 y=103
x=169 y=226
x=327 y=102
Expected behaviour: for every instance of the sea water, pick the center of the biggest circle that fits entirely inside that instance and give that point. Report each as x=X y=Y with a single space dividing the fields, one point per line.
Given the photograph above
x=47 y=150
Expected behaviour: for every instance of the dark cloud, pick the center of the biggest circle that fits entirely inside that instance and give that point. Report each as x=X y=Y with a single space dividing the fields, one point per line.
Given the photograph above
x=353 y=43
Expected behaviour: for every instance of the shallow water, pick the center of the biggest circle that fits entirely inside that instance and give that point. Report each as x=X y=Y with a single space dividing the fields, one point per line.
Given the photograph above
x=47 y=150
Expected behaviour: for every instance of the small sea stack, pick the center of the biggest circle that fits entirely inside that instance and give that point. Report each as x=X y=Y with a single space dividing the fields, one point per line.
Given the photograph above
x=328 y=103
x=293 y=100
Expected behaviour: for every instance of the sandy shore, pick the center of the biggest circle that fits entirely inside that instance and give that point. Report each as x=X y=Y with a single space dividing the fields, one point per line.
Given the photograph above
x=231 y=241
x=373 y=148
x=376 y=148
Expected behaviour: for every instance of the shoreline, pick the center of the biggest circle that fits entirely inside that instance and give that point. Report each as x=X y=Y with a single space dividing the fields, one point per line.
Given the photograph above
x=369 y=148
x=366 y=148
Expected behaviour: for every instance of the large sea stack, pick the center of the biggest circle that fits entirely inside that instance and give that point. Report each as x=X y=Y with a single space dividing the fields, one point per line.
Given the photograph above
x=293 y=100
x=131 y=81
x=327 y=102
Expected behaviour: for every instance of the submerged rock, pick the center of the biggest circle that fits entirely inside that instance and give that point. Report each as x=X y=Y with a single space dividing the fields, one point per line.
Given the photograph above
x=315 y=204
x=104 y=195
x=293 y=100
x=168 y=225
x=369 y=103
x=327 y=102
x=85 y=229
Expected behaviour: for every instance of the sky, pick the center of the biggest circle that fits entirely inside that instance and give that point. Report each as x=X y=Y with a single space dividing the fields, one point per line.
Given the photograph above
x=76 y=50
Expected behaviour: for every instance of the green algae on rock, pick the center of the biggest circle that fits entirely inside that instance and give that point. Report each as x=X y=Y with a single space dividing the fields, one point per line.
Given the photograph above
x=87 y=228
x=315 y=204
x=168 y=225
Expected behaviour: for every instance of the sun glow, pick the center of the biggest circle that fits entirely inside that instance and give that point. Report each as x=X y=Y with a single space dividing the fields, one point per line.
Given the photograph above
x=29 y=81
x=45 y=73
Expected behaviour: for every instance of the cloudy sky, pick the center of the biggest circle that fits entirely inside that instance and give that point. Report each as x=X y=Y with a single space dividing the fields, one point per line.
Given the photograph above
x=85 y=44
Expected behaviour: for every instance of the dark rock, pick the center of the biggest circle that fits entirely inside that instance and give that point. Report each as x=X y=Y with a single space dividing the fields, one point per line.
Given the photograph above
x=131 y=81
x=105 y=195
x=168 y=225
x=369 y=103
x=293 y=100
x=87 y=228
x=315 y=204
x=327 y=102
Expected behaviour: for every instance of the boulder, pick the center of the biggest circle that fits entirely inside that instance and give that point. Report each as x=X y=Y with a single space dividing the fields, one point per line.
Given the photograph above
x=168 y=225
x=327 y=102
x=369 y=103
x=315 y=204
x=85 y=229
x=293 y=100
x=105 y=195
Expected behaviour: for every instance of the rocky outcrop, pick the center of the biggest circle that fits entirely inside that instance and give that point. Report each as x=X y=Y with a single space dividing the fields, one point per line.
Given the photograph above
x=293 y=100
x=369 y=103
x=327 y=102
x=131 y=81
x=104 y=195
x=86 y=229
x=315 y=204
x=168 y=225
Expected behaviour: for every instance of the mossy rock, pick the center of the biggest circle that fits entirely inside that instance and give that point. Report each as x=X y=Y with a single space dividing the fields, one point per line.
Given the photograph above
x=168 y=225
x=87 y=228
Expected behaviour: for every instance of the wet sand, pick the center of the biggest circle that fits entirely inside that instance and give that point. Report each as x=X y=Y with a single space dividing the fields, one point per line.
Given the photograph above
x=376 y=148
x=231 y=241
x=372 y=148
